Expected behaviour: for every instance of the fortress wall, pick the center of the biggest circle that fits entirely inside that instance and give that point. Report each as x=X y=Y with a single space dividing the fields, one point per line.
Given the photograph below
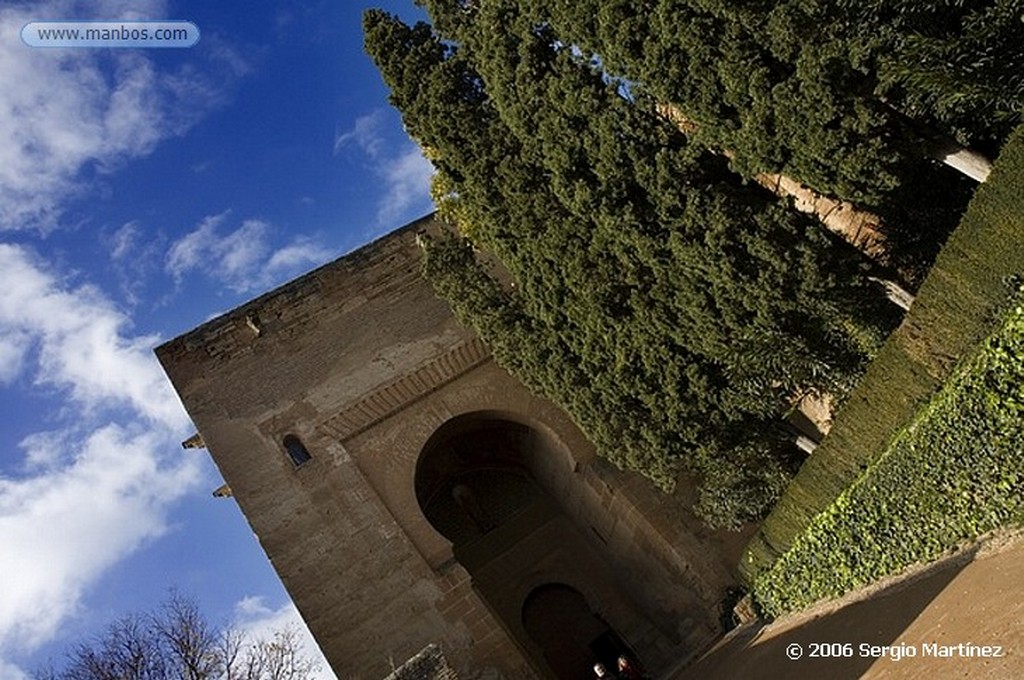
x=363 y=363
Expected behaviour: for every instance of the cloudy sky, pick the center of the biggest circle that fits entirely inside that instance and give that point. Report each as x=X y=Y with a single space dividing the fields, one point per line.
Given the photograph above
x=143 y=191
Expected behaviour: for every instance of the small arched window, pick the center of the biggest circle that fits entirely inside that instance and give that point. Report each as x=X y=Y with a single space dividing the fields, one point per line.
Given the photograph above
x=297 y=451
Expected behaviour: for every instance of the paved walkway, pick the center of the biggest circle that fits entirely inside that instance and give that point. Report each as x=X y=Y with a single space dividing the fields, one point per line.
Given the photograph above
x=948 y=622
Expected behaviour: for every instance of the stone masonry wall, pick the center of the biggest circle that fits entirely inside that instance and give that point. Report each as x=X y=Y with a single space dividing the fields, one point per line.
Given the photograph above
x=363 y=363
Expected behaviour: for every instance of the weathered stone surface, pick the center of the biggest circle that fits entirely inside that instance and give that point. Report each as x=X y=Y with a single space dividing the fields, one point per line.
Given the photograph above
x=429 y=664
x=361 y=362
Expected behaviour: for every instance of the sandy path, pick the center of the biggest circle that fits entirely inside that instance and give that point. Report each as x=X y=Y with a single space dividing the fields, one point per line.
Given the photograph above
x=974 y=598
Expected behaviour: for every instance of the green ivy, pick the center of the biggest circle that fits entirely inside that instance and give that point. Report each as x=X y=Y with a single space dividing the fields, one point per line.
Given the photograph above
x=957 y=307
x=952 y=474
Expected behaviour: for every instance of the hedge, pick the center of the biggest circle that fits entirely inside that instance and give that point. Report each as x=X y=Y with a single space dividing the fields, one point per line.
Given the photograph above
x=954 y=473
x=957 y=306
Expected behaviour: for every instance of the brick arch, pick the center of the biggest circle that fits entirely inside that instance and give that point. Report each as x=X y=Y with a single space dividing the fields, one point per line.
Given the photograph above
x=478 y=470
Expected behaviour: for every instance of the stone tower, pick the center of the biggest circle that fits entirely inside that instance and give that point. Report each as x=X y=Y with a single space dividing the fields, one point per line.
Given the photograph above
x=408 y=491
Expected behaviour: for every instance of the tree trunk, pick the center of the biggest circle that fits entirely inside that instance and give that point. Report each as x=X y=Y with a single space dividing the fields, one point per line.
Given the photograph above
x=941 y=147
x=858 y=227
x=966 y=161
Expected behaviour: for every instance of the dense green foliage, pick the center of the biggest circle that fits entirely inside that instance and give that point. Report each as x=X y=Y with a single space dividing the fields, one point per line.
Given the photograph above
x=954 y=311
x=952 y=64
x=815 y=90
x=668 y=307
x=952 y=474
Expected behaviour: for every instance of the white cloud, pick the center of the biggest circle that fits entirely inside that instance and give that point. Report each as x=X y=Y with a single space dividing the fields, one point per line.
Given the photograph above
x=65 y=111
x=366 y=134
x=404 y=171
x=187 y=253
x=301 y=253
x=78 y=521
x=242 y=251
x=230 y=258
x=12 y=672
x=254 y=618
x=14 y=344
x=136 y=253
x=83 y=348
x=123 y=240
x=242 y=258
x=106 y=9
x=46 y=450
x=407 y=182
x=94 y=489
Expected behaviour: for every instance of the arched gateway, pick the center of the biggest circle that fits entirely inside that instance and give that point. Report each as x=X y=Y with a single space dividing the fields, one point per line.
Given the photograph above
x=435 y=500
x=489 y=485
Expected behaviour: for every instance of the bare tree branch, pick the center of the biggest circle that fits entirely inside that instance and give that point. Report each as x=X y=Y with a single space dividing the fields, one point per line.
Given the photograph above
x=177 y=642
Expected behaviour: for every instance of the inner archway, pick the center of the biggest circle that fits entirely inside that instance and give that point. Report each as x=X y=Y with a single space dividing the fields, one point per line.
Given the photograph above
x=559 y=620
x=488 y=485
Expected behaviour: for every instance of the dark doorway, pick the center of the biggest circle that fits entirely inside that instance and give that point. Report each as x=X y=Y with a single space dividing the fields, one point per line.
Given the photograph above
x=573 y=638
x=477 y=485
x=475 y=479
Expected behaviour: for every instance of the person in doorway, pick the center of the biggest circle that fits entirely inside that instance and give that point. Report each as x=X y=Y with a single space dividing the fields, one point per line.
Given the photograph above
x=601 y=672
x=628 y=670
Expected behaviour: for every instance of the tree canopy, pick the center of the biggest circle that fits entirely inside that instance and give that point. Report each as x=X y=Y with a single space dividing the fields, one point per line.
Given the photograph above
x=639 y=283
x=819 y=91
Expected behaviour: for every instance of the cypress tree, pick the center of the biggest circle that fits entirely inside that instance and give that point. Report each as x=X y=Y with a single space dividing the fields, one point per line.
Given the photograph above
x=803 y=114
x=818 y=91
x=651 y=288
x=729 y=267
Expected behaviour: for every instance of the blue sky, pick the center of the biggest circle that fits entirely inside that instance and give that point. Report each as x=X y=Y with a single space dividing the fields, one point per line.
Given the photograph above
x=141 y=193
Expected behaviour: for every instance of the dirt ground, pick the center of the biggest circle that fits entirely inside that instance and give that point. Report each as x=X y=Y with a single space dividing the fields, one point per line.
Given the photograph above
x=962 y=617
